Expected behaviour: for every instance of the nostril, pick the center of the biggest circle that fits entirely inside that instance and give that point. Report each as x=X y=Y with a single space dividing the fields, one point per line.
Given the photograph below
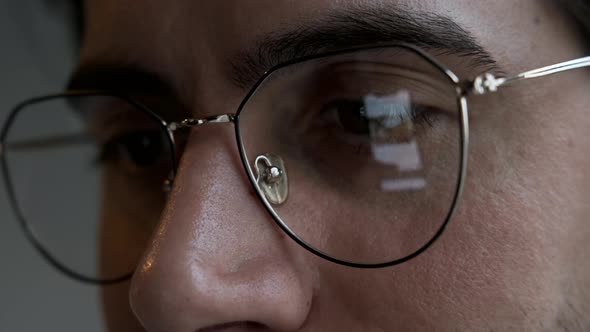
x=236 y=327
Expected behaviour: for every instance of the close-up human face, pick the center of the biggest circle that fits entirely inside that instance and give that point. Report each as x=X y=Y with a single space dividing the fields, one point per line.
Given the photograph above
x=291 y=165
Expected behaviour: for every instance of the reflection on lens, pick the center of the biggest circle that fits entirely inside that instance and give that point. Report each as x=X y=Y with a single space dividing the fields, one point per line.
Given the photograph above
x=87 y=173
x=370 y=142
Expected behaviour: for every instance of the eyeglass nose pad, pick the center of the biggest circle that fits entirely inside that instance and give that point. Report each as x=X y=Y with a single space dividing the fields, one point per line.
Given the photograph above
x=271 y=178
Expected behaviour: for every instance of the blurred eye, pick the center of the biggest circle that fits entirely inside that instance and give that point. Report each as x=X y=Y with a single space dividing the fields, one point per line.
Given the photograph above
x=135 y=151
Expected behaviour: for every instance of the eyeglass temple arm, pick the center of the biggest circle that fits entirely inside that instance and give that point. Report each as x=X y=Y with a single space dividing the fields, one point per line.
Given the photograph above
x=45 y=143
x=489 y=83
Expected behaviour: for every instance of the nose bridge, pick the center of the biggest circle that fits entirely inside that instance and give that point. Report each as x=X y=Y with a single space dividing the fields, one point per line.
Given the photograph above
x=216 y=256
x=216 y=190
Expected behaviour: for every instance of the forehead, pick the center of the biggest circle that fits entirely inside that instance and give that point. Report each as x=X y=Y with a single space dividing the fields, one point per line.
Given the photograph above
x=234 y=21
x=188 y=41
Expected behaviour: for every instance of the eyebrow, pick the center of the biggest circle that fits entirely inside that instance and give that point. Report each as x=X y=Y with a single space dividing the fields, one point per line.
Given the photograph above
x=339 y=29
x=357 y=26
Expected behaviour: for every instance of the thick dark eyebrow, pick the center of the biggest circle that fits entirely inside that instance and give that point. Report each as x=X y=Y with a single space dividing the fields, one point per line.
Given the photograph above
x=123 y=78
x=353 y=27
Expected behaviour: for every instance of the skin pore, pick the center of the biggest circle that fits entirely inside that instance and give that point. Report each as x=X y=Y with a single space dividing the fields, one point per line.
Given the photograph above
x=513 y=258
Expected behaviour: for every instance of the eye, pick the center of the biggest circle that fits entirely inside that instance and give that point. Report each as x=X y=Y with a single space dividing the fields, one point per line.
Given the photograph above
x=136 y=151
x=387 y=122
x=350 y=115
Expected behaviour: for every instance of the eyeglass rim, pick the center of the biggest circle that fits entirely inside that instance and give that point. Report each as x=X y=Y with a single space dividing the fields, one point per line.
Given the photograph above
x=480 y=85
x=462 y=108
x=464 y=142
x=29 y=232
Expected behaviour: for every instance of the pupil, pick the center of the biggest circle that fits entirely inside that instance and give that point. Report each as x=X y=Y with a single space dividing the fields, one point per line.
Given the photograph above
x=352 y=116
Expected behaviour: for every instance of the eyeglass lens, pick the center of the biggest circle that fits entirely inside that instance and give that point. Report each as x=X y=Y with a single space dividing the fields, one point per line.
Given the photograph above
x=357 y=154
x=369 y=146
x=87 y=173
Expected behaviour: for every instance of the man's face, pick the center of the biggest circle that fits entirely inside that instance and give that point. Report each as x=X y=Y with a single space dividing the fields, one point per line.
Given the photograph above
x=514 y=256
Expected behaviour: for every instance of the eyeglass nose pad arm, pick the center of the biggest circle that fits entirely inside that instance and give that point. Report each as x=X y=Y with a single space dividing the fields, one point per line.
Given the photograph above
x=189 y=123
x=271 y=175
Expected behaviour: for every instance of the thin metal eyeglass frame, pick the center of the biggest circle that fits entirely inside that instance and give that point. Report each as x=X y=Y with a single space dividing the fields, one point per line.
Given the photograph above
x=482 y=84
x=26 y=228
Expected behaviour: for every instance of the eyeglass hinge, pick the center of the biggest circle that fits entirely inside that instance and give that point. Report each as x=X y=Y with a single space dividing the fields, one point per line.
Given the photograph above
x=485 y=83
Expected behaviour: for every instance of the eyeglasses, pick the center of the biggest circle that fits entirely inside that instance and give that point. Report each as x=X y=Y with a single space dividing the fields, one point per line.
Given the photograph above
x=359 y=156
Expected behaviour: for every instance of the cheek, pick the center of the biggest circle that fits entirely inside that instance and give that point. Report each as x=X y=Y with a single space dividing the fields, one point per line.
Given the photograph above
x=503 y=258
x=116 y=310
x=129 y=213
x=488 y=267
x=117 y=313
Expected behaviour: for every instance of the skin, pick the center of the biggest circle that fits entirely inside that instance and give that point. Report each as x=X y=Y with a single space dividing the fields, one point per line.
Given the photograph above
x=513 y=258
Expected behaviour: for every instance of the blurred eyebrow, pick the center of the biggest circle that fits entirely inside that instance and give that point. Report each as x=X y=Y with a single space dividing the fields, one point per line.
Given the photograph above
x=357 y=26
x=123 y=78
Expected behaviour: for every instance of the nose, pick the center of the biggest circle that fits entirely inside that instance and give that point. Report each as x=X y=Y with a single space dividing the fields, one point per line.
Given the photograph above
x=217 y=261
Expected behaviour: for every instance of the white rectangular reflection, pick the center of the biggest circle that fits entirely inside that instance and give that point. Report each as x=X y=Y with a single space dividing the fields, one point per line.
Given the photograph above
x=403 y=184
x=403 y=155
